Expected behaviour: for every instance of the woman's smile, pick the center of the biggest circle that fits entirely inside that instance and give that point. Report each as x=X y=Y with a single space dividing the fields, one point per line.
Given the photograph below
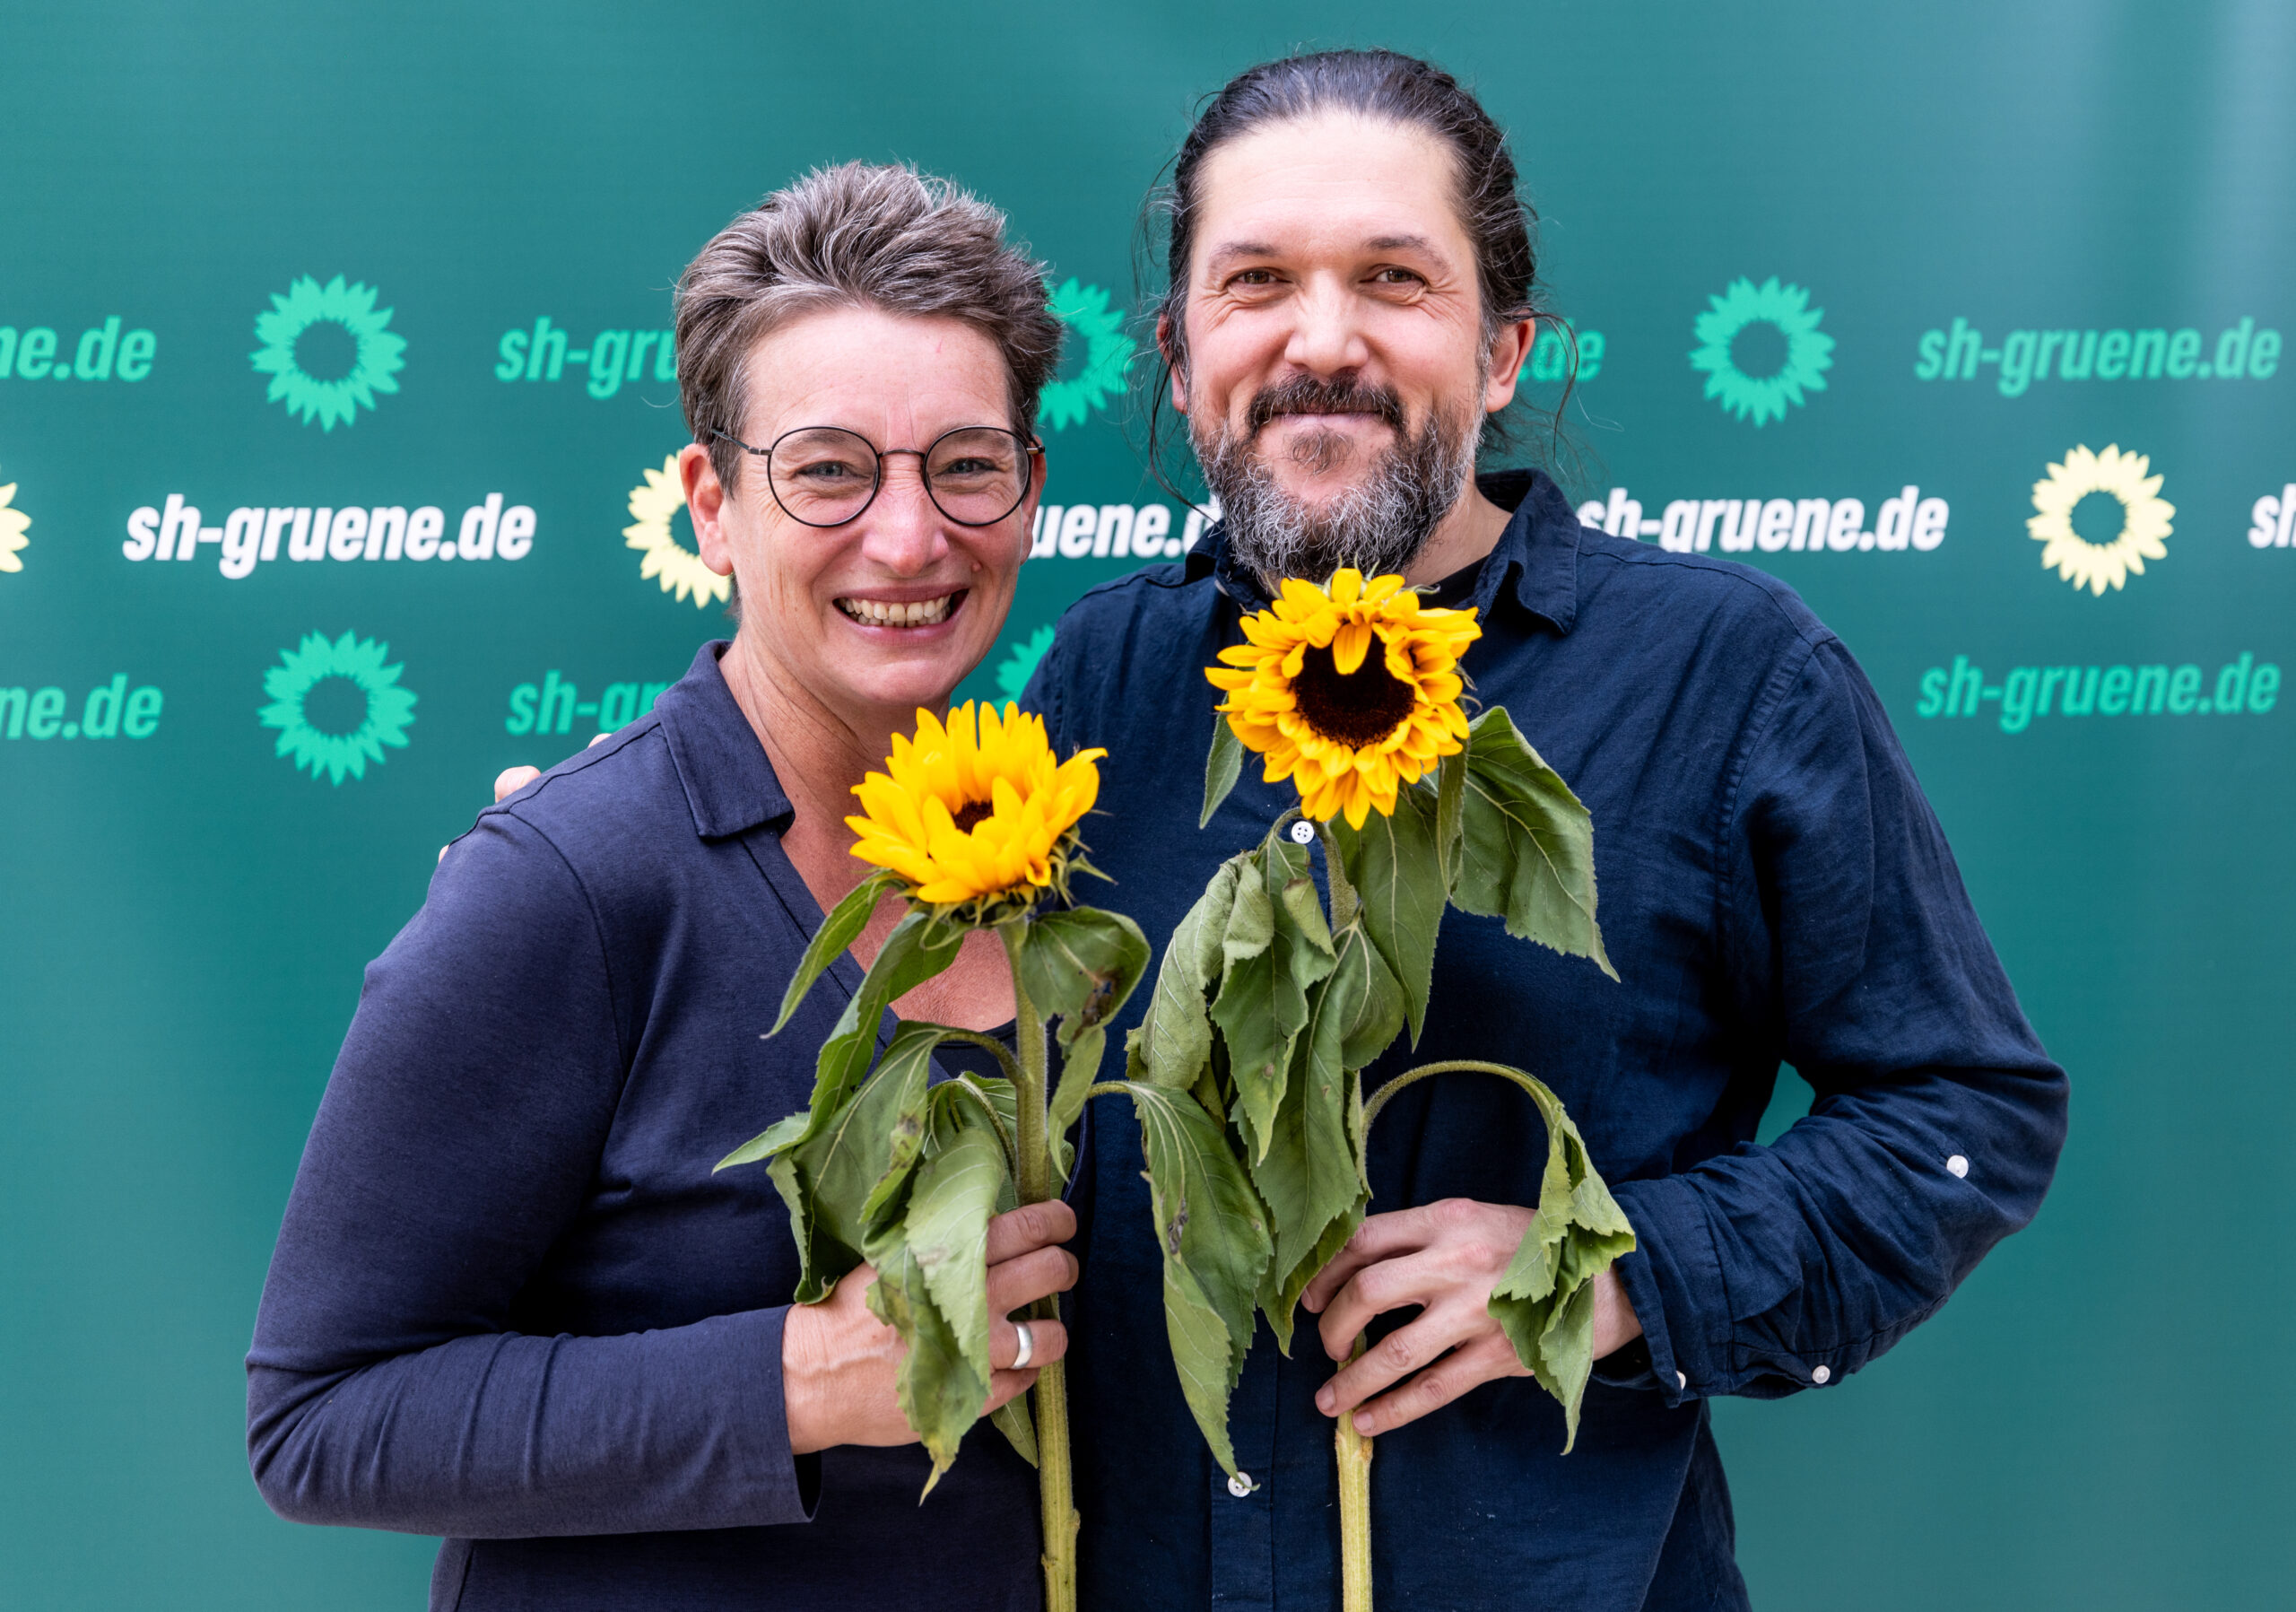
x=904 y=615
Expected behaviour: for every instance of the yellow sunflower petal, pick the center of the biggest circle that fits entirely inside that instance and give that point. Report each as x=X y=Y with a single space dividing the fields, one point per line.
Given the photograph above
x=981 y=756
x=1419 y=648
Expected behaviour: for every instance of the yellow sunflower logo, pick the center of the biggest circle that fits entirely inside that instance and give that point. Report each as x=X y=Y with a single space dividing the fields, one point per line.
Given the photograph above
x=2145 y=517
x=13 y=524
x=976 y=812
x=653 y=502
x=1346 y=726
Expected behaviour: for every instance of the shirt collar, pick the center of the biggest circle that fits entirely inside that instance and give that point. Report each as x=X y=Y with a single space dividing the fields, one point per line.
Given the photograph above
x=729 y=784
x=1535 y=559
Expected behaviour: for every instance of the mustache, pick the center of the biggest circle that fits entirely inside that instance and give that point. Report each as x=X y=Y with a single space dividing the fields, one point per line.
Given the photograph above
x=1310 y=394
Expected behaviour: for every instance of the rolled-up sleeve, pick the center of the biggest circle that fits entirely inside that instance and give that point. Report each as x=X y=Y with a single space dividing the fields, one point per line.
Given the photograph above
x=459 y=1133
x=1851 y=950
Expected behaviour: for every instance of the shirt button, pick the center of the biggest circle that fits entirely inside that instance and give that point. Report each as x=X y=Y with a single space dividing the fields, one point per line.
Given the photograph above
x=1681 y=1381
x=1241 y=1483
x=1823 y=1375
x=1957 y=1166
x=1302 y=831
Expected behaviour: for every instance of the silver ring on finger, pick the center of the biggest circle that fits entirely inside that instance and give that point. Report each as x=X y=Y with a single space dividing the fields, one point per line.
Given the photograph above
x=1028 y=1346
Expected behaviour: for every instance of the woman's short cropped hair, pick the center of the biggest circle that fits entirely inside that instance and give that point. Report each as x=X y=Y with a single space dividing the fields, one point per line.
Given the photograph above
x=856 y=235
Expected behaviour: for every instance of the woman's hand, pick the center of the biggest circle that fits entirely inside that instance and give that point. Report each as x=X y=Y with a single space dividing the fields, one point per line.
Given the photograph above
x=838 y=1361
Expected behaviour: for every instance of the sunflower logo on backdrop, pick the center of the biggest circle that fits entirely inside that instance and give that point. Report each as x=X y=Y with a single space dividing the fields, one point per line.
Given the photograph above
x=13 y=524
x=2109 y=478
x=328 y=350
x=1107 y=356
x=1014 y=672
x=1760 y=349
x=653 y=503
x=336 y=705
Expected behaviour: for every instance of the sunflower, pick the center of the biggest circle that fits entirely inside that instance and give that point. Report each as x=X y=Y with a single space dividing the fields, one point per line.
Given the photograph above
x=1347 y=726
x=976 y=814
x=2145 y=517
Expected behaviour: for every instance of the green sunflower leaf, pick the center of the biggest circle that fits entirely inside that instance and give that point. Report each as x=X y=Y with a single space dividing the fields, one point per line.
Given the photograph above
x=917 y=950
x=1174 y=1039
x=947 y=1226
x=1529 y=845
x=1213 y=1231
x=1395 y=864
x=938 y=1390
x=1012 y=1420
x=908 y=1176
x=1080 y=965
x=1545 y=1299
x=1450 y=808
x=845 y=920
x=1221 y=767
x=1262 y=1001
x=1381 y=1014
x=849 y=1170
x=1309 y=1170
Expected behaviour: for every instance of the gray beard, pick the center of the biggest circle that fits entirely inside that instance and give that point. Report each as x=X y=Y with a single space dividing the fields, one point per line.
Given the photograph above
x=1378 y=526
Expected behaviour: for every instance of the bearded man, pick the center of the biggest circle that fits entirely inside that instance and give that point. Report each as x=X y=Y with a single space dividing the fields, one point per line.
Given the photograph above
x=1352 y=293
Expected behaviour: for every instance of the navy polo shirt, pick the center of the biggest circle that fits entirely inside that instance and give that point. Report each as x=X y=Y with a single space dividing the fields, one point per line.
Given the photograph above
x=1773 y=890
x=511 y=1303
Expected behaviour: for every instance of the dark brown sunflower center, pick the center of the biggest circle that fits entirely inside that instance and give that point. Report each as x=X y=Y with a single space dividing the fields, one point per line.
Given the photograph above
x=971 y=813
x=1356 y=708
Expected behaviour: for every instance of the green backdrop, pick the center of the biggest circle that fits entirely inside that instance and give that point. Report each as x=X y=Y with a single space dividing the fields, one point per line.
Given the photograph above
x=264 y=261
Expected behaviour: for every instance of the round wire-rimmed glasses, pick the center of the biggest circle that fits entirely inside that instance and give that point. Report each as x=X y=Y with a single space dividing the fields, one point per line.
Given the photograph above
x=825 y=475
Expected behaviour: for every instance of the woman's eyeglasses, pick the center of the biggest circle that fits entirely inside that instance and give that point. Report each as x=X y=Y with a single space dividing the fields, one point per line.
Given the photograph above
x=823 y=476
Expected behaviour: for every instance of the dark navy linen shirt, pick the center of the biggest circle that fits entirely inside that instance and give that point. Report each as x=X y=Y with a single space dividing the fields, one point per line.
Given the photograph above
x=511 y=1303
x=1772 y=888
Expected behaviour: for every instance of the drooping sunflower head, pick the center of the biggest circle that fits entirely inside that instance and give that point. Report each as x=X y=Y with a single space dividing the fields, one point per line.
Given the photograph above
x=976 y=814
x=1350 y=689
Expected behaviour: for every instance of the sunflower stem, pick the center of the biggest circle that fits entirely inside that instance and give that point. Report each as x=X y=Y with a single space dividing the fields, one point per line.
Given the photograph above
x=1345 y=902
x=1353 y=1451
x=1454 y=1066
x=1350 y=1450
x=990 y=1044
x=1054 y=1491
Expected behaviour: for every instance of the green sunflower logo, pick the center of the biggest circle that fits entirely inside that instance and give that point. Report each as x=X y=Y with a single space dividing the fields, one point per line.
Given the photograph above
x=1760 y=348
x=336 y=705
x=328 y=350
x=1014 y=672
x=1107 y=356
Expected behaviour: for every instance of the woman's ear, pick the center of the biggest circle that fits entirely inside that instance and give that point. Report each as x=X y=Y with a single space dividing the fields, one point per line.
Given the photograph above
x=705 y=506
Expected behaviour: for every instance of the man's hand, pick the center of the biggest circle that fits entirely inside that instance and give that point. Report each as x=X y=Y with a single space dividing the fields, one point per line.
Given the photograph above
x=838 y=1361
x=1445 y=1257
x=511 y=779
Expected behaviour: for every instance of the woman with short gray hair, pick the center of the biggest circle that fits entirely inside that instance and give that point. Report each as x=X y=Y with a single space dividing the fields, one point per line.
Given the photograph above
x=511 y=1304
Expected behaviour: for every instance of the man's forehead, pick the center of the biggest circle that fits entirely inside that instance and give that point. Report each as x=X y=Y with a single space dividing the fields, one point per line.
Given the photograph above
x=1328 y=184
x=1246 y=246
